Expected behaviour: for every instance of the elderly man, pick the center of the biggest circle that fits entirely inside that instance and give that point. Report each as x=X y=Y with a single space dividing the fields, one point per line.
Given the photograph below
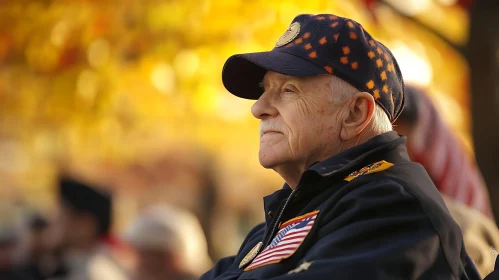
x=353 y=206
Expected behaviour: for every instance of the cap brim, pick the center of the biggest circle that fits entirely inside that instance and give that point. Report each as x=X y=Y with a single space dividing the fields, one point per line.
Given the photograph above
x=242 y=73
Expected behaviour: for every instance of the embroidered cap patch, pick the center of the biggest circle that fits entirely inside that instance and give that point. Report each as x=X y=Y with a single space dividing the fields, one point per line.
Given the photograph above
x=290 y=34
x=287 y=240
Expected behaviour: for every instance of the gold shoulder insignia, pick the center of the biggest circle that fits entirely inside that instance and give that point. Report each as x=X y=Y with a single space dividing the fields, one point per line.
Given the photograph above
x=371 y=168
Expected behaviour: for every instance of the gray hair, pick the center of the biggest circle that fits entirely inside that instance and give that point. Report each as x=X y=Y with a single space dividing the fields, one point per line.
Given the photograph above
x=343 y=91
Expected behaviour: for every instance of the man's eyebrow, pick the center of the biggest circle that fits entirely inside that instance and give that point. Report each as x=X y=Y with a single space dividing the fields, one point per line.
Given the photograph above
x=292 y=79
x=288 y=78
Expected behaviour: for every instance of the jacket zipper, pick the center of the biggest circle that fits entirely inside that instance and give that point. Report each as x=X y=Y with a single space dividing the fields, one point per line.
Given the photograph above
x=269 y=235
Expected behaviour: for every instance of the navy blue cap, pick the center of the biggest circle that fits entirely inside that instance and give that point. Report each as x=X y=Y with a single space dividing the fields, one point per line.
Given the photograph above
x=317 y=45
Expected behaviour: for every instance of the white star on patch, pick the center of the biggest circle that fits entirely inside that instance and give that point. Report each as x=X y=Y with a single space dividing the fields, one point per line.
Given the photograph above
x=304 y=266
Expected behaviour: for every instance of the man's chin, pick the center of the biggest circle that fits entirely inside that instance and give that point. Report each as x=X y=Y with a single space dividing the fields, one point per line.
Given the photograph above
x=270 y=162
x=268 y=166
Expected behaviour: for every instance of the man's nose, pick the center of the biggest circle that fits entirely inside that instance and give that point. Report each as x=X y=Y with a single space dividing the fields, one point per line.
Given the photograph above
x=263 y=107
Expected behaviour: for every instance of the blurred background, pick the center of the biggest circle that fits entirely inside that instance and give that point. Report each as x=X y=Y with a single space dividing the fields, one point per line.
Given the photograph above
x=126 y=96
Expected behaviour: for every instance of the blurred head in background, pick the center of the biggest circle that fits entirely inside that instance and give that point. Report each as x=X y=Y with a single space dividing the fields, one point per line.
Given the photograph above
x=85 y=215
x=169 y=243
x=432 y=143
x=8 y=245
x=38 y=240
x=10 y=235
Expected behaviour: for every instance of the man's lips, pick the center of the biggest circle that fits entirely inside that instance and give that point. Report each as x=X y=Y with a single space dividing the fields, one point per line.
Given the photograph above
x=270 y=132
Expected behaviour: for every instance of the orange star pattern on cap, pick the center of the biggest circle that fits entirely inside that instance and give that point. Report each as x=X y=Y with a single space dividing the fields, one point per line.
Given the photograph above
x=323 y=44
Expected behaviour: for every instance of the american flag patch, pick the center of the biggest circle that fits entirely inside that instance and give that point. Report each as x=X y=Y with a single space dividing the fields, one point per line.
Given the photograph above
x=287 y=240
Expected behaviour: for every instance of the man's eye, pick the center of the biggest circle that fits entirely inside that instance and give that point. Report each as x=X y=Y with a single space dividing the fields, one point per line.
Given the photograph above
x=288 y=90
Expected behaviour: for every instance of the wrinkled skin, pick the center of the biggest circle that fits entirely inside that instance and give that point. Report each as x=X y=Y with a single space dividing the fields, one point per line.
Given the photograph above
x=300 y=123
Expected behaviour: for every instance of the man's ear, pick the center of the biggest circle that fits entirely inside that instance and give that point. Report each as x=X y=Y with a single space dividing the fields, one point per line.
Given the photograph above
x=359 y=112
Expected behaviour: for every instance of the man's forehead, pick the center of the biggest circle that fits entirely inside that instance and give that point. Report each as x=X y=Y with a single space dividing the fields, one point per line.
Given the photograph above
x=271 y=75
x=337 y=83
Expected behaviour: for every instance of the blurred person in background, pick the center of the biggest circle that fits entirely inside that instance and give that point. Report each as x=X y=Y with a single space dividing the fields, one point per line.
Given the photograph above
x=191 y=168
x=37 y=246
x=353 y=206
x=38 y=243
x=169 y=243
x=10 y=234
x=431 y=143
x=481 y=235
x=84 y=230
x=15 y=246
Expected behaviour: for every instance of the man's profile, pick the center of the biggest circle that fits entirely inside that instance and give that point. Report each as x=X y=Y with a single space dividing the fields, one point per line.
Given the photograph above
x=353 y=206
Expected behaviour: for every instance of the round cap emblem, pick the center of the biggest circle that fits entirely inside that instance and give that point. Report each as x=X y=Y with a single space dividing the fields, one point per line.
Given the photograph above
x=289 y=35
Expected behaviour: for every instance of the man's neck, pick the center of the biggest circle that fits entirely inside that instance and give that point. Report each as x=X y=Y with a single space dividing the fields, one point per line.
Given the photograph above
x=292 y=172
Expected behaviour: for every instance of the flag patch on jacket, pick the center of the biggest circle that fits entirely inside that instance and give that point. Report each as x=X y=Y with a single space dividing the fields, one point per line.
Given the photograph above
x=287 y=240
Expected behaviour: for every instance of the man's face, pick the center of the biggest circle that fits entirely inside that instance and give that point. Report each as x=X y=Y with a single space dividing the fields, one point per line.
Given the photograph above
x=300 y=123
x=72 y=227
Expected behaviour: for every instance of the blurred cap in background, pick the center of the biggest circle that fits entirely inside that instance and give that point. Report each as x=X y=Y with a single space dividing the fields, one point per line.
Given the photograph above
x=174 y=231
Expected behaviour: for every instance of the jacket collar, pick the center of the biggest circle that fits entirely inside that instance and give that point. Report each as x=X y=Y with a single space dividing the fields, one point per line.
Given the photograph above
x=388 y=145
x=356 y=154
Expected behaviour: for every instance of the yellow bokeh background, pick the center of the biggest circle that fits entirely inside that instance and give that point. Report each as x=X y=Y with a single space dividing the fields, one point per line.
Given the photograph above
x=95 y=86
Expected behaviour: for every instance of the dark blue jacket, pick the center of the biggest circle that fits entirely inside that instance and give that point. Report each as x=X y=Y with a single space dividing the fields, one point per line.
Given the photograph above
x=366 y=213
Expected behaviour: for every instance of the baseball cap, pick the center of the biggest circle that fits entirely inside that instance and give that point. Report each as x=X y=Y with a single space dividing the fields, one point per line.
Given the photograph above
x=317 y=45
